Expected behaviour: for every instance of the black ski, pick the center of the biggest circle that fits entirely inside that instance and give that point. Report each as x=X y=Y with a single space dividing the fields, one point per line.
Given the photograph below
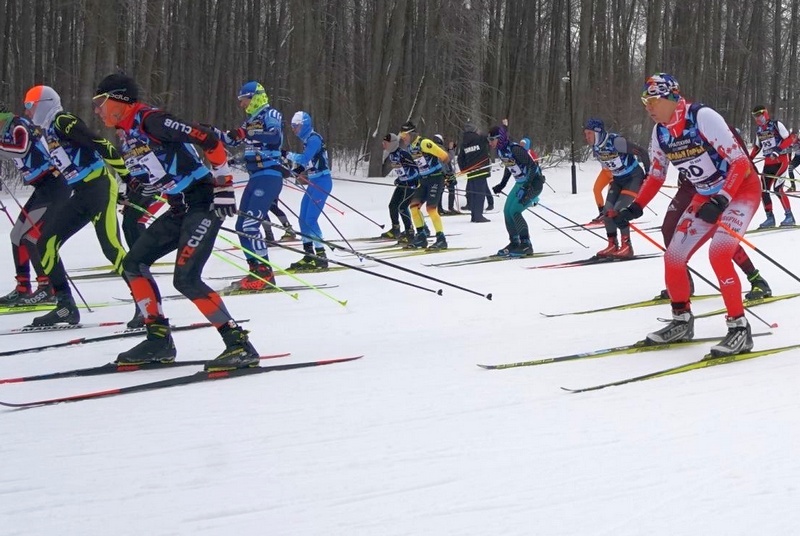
x=118 y=335
x=594 y=260
x=197 y=377
x=229 y=291
x=57 y=327
x=494 y=258
x=113 y=368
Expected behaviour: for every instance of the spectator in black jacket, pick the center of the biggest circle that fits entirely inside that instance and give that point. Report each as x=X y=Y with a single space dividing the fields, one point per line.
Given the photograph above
x=473 y=160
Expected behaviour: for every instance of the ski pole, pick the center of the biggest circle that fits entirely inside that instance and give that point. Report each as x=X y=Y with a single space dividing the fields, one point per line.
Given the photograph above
x=33 y=226
x=323 y=213
x=333 y=245
x=700 y=276
x=342 y=202
x=356 y=268
x=757 y=250
x=553 y=226
x=296 y=189
x=571 y=221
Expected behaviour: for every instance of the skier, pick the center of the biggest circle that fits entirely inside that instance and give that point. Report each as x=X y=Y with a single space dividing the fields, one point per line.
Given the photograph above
x=406 y=179
x=81 y=157
x=528 y=184
x=698 y=141
x=24 y=145
x=619 y=156
x=312 y=170
x=449 y=175
x=199 y=201
x=262 y=132
x=773 y=140
x=686 y=192
x=429 y=158
x=133 y=200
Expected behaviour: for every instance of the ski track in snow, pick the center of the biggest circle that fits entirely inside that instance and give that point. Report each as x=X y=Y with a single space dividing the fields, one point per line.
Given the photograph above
x=414 y=439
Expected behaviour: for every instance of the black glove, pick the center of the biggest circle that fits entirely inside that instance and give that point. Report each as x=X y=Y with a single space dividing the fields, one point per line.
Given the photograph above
x=497 y=188
x=122 y=198
x=631 y=212
x=710 y=211
x=525 y=194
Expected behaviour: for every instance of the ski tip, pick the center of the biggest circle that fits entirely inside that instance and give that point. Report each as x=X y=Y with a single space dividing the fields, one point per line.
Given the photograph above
x=489 y=296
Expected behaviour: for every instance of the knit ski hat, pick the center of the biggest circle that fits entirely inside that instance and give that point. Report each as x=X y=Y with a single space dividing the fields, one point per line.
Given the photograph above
x=119 y=87
x=500 y=134
x=393 y=142
x=256 y=93
x=438 y=139
x=661 y=85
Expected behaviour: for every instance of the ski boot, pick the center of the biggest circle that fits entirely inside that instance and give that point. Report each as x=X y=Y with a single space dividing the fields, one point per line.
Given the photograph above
x=599 y=219
x=269 y=234
x=260 y=277
x=158 y=347
x=759 y=287
x=510 y=249
x=394 y=232
x=420 y=241
x=306 y=264
x=769 y=223
x=664 y=294
x=739 y=339
x=524 y=249
x=238 y=353
x=625 y=250
x=288 y=234
x=137 y=322
x=405 y=238
x=439 y=243
x=321 y=262
x=20 y=292
x=43 y=293
x=680 y=329
x=610 y=249
x=426 y=230
x=788 y=221
x=65 y=312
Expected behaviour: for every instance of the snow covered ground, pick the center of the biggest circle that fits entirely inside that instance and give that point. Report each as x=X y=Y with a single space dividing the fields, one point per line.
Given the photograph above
x=414 y=439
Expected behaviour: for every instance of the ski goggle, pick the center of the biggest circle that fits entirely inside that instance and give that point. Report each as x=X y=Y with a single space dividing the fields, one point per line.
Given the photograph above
x=651 y=99
x=99 y=100
x=758 y=113
x=493 y=138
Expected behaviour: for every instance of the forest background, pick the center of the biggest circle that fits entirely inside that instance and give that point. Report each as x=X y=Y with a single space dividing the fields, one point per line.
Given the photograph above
x=363 y=67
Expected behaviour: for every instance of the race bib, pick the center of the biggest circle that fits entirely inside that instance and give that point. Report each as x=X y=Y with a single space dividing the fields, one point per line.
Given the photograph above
x=150 y=162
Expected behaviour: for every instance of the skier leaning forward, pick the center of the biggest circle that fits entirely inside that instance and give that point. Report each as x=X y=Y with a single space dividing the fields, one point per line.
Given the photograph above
x=698 y=141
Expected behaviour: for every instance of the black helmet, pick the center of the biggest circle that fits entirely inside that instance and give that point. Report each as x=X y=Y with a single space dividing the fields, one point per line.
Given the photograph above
x=119 y=87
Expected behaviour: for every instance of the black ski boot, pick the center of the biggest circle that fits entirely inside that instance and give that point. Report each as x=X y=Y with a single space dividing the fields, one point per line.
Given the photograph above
x=158 y=347
x=238 y=353
x=440 y=243
x=525 y=249
x=307 y=263
x=137 y=322
x=394 y=232
x=420 y=241
x=760 y=288
x=20 y=292
x=66 y=312
x=680 y=329
x=321 y=262
x=739 y=339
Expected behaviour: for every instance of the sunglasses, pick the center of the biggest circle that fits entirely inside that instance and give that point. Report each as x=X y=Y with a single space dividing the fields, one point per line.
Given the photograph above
x=758 y=114
x=651 y=99
x=99 y=100
x=493 y=138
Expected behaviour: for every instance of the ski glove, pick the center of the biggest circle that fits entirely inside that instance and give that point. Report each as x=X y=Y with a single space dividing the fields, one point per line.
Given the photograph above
x=497 y=188
x=631 y=212
x=710 y=211
x=224 y=201
x=526 y=194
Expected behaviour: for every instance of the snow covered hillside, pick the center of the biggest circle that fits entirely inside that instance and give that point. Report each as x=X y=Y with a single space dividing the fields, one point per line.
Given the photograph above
x=415 y=439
